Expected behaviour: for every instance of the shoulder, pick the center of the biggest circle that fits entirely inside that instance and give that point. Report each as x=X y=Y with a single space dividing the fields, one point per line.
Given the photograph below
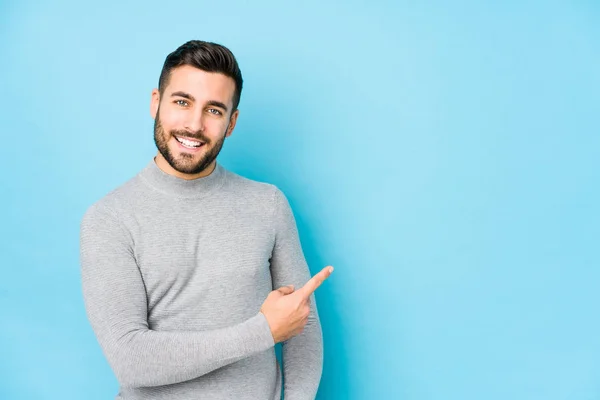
x=114 y=203
x=266 y=198
x=251 y=189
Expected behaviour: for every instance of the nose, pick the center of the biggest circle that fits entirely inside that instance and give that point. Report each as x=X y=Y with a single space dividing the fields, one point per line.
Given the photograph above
x=195 y=122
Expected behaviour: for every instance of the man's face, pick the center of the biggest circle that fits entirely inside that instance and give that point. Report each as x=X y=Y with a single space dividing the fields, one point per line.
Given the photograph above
x=192 y=118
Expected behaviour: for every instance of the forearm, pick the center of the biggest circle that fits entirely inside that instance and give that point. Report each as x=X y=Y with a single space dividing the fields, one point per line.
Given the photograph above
x=144 y=357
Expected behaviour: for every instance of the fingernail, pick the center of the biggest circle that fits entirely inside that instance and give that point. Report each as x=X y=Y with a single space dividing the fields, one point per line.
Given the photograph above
x=330 y=269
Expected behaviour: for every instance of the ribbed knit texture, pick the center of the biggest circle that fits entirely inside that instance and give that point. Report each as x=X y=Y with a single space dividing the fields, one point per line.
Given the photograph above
x=174 y=273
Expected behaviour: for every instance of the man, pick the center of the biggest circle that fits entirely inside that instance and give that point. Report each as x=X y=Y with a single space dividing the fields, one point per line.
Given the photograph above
x=179 y=263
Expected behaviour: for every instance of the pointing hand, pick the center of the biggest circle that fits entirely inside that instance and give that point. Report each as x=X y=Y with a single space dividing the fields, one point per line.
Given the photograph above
x=287 y=311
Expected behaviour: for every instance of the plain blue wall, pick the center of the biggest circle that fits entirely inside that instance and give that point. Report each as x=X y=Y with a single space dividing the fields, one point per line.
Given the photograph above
x=443 y=156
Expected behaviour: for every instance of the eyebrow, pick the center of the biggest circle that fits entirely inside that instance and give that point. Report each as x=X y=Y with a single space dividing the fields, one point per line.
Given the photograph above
x=188 y=96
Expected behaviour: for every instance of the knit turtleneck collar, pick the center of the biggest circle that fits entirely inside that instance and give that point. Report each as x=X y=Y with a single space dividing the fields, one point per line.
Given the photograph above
x=179 y=187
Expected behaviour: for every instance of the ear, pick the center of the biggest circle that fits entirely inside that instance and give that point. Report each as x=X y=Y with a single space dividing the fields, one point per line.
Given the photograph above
x=232 y=121
x=154 y=103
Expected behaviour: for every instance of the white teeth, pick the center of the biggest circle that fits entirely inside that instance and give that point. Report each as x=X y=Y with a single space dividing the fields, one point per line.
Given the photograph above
x=188 y=143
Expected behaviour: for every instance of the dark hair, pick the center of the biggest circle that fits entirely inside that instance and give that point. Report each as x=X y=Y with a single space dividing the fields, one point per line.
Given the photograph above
x=207 y=56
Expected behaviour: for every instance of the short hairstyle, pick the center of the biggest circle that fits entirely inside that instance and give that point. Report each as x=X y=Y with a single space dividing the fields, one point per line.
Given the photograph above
x=207 y=56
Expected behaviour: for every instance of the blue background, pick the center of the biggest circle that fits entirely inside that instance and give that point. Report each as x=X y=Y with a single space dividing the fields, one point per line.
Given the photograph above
x=443 y=156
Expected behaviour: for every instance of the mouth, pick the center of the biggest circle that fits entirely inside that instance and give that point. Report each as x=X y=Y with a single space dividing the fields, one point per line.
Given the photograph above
x=189 y=144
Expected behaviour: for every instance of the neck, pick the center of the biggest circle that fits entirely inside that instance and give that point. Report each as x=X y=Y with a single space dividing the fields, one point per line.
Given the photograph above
x=183 y=187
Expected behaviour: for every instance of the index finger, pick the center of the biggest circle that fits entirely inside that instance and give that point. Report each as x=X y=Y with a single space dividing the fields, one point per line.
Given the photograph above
x=314 y=282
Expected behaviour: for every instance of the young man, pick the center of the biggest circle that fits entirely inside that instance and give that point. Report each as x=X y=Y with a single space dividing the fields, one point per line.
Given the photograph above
x=180 y=262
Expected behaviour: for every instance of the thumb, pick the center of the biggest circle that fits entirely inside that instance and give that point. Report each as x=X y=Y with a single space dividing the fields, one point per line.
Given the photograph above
x=286 y=289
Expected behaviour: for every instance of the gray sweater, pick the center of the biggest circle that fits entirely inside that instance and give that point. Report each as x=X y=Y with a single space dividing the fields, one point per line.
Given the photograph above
x=174 y=273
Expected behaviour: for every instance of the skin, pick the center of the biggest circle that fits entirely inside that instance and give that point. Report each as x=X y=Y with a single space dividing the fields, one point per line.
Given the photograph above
x=287 y=310
x=198 y=105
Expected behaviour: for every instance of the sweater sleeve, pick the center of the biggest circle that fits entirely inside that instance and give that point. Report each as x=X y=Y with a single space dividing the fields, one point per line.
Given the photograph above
x=116 y=305
x=302 y=354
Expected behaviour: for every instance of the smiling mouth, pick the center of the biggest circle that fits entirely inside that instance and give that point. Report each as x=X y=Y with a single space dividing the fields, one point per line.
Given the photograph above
x=189 y=143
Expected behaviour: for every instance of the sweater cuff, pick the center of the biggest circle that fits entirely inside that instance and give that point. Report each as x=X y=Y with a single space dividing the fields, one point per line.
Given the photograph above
x=260 y=331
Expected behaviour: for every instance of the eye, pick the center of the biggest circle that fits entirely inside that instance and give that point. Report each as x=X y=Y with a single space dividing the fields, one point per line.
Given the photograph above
x=214 y=111
x=182 y=103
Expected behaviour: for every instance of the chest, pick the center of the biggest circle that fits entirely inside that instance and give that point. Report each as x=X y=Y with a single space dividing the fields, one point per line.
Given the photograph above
x=210 y=262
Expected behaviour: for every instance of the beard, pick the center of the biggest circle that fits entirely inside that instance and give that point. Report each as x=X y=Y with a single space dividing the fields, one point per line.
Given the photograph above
x=185 y=163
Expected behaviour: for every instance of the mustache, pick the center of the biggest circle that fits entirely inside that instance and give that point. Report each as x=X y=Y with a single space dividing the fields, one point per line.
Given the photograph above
x=196 y=135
